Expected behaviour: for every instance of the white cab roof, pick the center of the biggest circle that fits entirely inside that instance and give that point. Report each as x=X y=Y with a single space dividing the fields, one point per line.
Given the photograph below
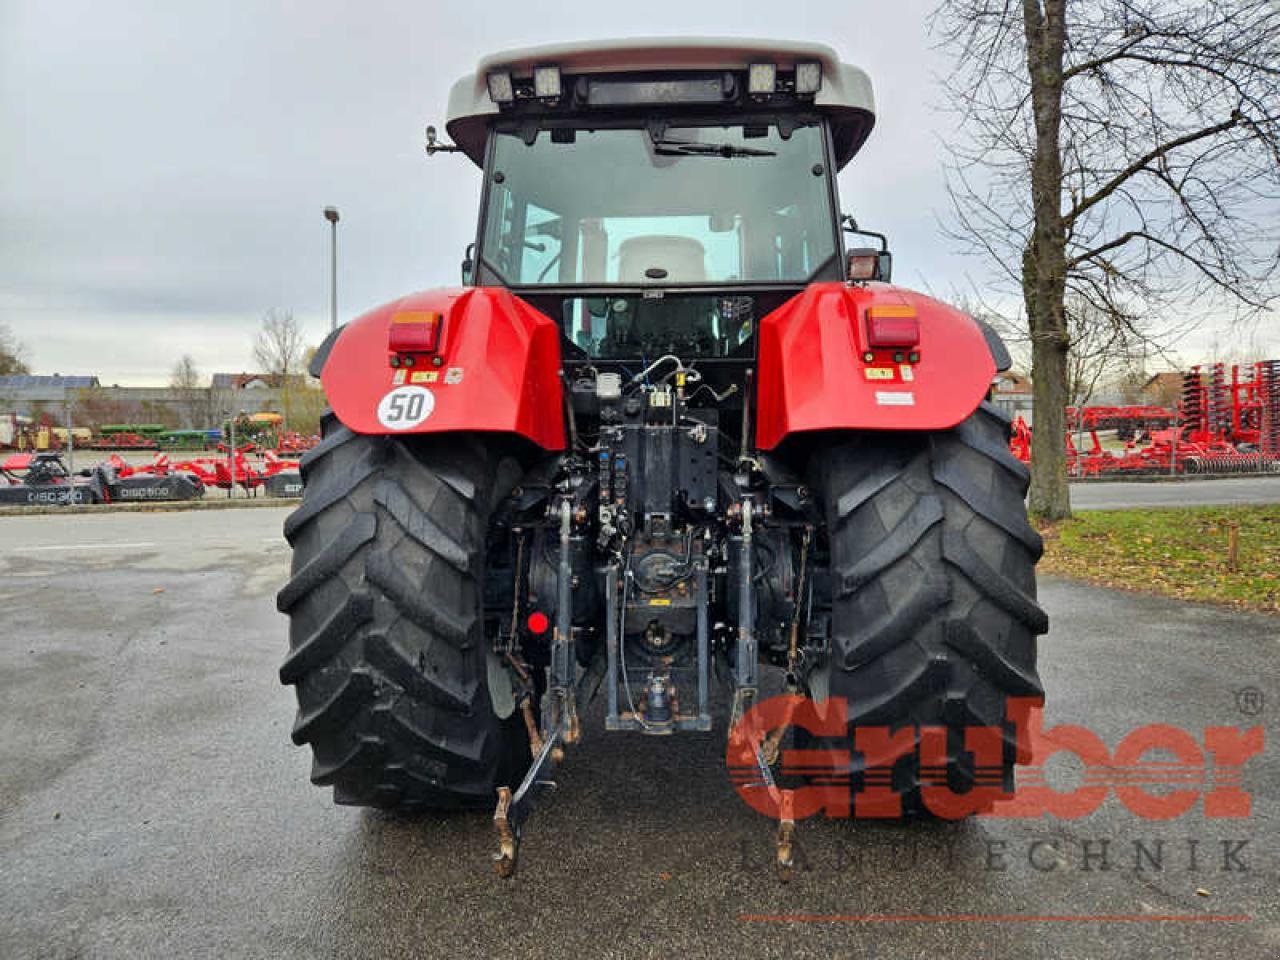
x=846 y=89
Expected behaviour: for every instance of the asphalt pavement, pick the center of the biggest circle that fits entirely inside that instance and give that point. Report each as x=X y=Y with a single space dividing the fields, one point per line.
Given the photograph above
x=1224 y=491
x=152 y=805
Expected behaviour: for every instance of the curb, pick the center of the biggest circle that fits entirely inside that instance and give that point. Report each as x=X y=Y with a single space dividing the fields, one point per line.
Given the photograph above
x=258 y=503
x=1177 y=478
x=162 y=506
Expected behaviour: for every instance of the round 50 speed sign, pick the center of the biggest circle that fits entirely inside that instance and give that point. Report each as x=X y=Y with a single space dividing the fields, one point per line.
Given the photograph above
x=405 y=407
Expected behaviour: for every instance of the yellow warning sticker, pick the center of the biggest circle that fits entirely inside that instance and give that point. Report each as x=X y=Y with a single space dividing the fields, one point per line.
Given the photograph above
x=424 y=376
x=660 y=602
x=878 y=373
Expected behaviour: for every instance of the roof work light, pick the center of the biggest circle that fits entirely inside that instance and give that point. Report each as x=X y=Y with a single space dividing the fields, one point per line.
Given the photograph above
x=546 y=83
x=808 y=77
x=501 y=89
x=762 y=79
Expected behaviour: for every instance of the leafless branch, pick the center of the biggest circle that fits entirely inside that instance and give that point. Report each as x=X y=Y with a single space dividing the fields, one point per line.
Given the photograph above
x=1117 y=165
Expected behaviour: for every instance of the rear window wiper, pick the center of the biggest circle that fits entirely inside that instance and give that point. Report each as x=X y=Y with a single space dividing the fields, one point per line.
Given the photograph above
x=692 y=148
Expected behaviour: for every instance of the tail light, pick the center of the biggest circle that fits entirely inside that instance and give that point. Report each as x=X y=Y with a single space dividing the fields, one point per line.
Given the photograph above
x=892 y=326
x=414 y=331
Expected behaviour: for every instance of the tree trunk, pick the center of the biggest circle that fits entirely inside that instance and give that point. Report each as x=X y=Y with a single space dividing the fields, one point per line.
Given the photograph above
x=1049 y=497
x=1044 y=263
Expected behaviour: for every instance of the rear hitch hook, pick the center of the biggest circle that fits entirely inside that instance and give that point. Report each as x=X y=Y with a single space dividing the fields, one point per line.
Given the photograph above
x=513 y=809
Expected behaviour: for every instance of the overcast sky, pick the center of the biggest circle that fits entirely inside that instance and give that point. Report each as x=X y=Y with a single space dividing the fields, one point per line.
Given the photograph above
x=163 y=166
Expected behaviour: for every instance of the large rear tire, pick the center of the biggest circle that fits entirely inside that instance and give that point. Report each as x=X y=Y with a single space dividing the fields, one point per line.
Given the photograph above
x=934 y=613
x=387 y=646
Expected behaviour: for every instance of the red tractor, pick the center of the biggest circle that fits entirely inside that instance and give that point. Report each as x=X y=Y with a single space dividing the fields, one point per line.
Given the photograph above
x=669 y=428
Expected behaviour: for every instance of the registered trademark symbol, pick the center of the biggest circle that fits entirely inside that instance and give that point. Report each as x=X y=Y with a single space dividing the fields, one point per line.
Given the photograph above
x=1250 y=701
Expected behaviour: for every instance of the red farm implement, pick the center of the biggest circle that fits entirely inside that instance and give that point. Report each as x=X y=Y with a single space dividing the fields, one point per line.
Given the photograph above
x=1232 y=424
x=1127 y=421
x=1268 y=373
x=226 y=470
x=279 y=476
x=158 y=480
x=1224 y=424
x=122 y=440
x=293 y=443
x=1151 y=458
x=42 y=479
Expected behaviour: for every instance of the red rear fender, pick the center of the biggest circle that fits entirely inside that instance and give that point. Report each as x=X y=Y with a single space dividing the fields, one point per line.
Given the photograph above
x=819 y=369
x=496 y=368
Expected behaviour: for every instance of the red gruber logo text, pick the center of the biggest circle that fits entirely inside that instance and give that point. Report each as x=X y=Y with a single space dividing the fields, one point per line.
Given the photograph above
x=1210 y=769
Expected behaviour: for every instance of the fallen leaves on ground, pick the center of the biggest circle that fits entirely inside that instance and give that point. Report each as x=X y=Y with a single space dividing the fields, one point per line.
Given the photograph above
x=1180 y=552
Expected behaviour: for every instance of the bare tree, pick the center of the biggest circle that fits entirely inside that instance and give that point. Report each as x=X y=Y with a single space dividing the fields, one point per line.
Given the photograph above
x=185 y=382
x=1125 y=153
x=185 y=374
x=279 y=351
x=219 y=405
x=1100 y=348
x=12 y=353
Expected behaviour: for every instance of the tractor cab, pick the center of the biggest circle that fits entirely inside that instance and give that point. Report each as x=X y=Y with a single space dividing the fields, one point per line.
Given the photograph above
x=658 y=197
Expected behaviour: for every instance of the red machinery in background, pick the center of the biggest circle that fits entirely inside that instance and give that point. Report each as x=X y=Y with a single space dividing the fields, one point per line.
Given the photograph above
x=242 y=472
x=278 y=475
x=1223 y=425
x=1268 y=374
x=122 y=440
x=1232 y=425
x=1127 y=421
x=293 y=443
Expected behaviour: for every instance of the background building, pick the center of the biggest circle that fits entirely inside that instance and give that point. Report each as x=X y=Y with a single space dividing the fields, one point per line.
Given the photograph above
x=1011 y=393
x=46 y=399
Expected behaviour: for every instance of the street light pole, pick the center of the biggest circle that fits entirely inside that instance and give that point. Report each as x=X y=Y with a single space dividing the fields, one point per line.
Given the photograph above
x=331 y=214
x=231 y=454
x=71 y=440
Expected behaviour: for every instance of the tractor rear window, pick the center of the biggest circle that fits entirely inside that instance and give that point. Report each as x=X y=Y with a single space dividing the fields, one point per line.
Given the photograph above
x=690 y=326
x=695 y=205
